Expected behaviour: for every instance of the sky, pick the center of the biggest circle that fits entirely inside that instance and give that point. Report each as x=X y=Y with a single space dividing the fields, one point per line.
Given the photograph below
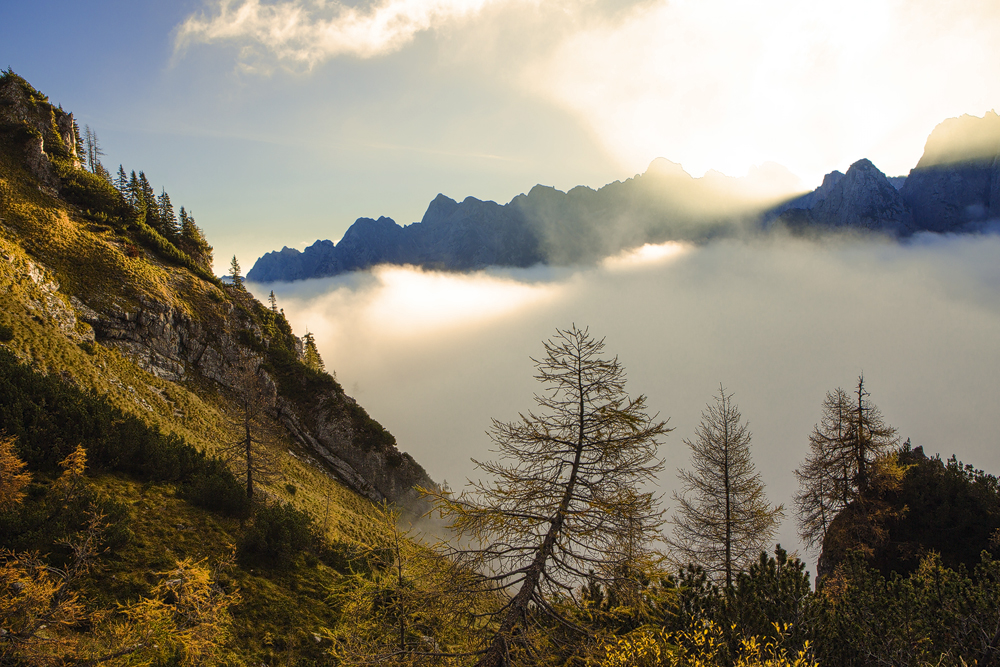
x=778 y=322
x=279 y=123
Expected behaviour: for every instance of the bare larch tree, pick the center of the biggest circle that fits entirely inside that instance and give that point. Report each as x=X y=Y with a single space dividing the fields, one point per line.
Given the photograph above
x=564 y=498
x=723 y=519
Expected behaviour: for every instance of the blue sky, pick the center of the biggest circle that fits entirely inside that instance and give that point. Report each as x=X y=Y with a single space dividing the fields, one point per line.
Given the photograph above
x=277 y=123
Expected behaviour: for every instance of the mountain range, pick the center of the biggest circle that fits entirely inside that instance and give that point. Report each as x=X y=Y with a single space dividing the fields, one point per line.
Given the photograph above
x=955 y=187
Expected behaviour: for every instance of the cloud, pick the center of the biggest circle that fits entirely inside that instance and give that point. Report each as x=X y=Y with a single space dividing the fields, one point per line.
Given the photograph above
x=727 y=85
x=304 y=33
x=779 y=322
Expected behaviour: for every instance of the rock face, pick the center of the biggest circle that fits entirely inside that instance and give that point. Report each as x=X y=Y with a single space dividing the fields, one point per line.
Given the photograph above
x=47 y=131
x=862 y=199
x=956 y=184
x=954 y=188
x=461 y=237
x=172 y=345
x=543 y=226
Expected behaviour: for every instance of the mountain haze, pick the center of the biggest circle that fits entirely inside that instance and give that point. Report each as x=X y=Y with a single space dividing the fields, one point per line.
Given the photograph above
x=955 y=187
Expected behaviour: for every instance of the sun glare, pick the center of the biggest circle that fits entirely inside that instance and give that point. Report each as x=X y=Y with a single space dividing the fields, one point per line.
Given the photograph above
x=646 y=255
x=410 y=301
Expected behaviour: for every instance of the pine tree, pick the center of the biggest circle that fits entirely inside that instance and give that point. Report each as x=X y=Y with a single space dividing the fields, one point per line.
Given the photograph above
x=271 y=299
x=723 y=520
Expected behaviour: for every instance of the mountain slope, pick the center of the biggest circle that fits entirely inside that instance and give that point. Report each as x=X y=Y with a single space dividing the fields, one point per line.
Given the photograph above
x=105 y=279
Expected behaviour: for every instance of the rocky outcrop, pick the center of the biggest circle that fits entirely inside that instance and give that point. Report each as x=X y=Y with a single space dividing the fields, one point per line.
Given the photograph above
x=47 y=132
x=172 y=345
x=175 y=346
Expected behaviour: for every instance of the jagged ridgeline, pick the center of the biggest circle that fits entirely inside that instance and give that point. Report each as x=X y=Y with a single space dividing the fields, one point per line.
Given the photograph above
x=954 y=188
x=134 y=389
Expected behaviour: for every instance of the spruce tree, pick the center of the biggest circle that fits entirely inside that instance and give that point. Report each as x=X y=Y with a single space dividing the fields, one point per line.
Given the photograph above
x=168 y=221
x=235 y=272
x=121 y=182
x=310 y=353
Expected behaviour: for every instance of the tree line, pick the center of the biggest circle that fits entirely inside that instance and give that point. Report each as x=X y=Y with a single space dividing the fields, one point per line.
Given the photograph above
x=156 y=211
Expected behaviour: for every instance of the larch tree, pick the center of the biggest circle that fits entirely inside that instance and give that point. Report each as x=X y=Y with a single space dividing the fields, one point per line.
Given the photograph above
x=13 y=478
x=723 y=519
x=844 y=448
x=562 y=504
x=249 y=455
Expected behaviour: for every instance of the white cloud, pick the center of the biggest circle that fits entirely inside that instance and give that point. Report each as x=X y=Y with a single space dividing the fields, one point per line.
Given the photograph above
x=727 y=85
x=304 y=33
x=778 y=322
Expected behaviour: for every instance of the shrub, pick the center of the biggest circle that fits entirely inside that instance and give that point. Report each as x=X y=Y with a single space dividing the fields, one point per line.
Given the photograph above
x=277 y=534
x=215 y=488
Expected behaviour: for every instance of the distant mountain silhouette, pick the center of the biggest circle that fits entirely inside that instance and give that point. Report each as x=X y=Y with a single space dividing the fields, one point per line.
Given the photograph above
x=955 y=187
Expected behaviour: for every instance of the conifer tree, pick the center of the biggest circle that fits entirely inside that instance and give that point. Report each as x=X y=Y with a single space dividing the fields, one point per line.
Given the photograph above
x=168 y=221
x=92 y=149
x=310 y=354
x=193 y=241
x=563 y=496
x=271 y=299
x=148 y=203
x=135 y=199
x=235 y=272
x=121 y=182
x=723 y=520
x=843 y=450
x=249 y=455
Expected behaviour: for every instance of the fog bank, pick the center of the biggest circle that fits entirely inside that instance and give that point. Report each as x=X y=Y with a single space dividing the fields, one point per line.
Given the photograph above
x=779 y=322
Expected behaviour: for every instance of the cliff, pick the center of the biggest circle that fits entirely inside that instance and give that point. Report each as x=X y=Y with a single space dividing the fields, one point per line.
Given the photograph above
x=98 y=297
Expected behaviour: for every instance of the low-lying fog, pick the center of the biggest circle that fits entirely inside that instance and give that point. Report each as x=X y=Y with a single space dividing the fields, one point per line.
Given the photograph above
x=779 y=322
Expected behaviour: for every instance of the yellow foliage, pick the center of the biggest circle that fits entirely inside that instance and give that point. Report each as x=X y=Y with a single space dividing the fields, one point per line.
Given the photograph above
x=700 y=646
x=13 y=479
x=36 y=609
x=185 y=619
x=72 y=477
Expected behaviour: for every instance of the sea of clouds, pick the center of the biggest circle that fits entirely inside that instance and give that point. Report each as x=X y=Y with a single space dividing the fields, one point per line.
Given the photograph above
x=777 y=321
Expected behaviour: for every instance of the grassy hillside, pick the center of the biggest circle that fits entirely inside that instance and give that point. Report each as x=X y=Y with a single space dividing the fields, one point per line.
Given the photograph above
x=73 y=250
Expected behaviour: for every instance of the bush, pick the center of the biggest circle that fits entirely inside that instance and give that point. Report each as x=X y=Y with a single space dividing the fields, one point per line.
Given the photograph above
x=6 y=333
x=277 y=534
x=215 y=488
